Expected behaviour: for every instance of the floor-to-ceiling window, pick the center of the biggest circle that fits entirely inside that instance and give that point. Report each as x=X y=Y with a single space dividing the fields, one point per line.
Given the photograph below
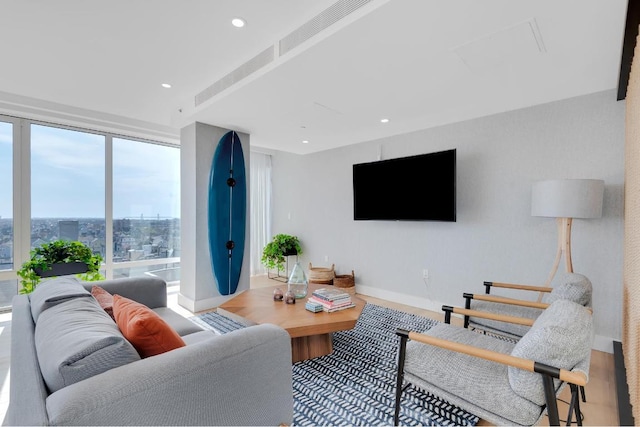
x=67 y=187
x=7 y=284
x=118 y=195
x=146 y=209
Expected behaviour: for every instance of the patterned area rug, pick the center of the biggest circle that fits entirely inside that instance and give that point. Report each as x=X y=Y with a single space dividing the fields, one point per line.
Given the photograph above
x=355 y=385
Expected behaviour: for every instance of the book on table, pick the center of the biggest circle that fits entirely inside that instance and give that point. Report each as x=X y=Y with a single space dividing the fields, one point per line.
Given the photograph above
x=331 y=294
x=313 y=306
x=342 y=307
x=330 y=304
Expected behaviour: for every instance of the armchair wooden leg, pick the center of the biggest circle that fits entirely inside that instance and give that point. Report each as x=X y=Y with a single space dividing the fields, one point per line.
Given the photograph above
x=550 y=397
x=574 y=407
x=402 y=350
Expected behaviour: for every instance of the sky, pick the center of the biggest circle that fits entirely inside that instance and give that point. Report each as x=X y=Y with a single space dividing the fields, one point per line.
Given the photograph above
x=68 y=176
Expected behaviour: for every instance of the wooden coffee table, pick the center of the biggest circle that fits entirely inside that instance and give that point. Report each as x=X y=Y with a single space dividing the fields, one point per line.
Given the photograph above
x=310 y=332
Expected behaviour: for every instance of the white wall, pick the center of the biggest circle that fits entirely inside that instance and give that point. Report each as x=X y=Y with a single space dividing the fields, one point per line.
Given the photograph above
x=495 y=236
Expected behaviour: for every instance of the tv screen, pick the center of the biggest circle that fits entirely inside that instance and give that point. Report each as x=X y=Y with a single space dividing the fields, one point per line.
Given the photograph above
x=416 y=188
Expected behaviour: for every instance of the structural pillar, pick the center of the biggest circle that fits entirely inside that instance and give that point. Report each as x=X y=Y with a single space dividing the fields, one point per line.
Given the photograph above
x=198 y=287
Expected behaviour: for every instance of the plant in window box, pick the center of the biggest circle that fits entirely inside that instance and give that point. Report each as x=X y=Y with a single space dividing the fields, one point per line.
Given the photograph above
x=59 y=258
x=281 y=246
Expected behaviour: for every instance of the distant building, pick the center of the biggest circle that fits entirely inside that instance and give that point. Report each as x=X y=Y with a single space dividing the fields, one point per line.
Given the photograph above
x=69 y=230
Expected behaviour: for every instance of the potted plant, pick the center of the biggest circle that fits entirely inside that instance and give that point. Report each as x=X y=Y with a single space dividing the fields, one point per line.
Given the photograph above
x=281 y=246
x=60 y=257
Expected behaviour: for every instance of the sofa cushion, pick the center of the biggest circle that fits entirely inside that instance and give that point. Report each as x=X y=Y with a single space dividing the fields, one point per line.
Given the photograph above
x=55 y=291
x=198 y=337
x=561 y=337
x=76 y=340
x=104 y=298
x=178 y=323
x=146 y=330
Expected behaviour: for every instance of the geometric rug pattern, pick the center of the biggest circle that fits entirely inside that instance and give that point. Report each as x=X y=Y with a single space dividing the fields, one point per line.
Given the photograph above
x=355 y=385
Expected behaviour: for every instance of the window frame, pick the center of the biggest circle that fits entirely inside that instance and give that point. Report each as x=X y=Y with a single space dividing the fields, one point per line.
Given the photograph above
x=22 y=194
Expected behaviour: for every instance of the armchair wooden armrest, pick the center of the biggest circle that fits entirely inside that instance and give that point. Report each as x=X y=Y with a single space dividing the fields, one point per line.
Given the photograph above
x=577 y=378
x=503 y=300
x=489 y=285
x=483 y=314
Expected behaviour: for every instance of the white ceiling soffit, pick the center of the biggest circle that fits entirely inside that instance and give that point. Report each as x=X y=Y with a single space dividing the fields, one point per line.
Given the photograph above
x=322 y=25
x=424 y=64
x=323 y=71
x=519 y=42
x=237 y=75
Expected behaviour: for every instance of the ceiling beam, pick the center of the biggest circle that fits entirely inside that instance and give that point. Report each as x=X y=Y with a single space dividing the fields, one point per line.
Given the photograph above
x=628 y=46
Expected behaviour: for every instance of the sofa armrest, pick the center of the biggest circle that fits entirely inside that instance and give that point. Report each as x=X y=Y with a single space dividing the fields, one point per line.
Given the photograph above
x=240 y=378
x=147 y=290
x=27 y=389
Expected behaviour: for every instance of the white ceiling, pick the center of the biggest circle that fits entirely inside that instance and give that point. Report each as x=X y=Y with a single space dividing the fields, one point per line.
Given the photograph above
x=419 y=63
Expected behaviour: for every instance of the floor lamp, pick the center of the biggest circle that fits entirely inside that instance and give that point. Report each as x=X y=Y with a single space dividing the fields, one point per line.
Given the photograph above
x=565 y=199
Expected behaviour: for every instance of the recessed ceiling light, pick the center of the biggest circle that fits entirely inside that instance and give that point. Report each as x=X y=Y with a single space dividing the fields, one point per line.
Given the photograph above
x=305 y=142
x=238 y=22
x=384 y=120
x=166 y=85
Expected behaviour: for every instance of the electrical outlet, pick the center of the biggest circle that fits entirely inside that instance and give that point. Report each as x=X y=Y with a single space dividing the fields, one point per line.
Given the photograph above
x=326 y=258
x=425 y=274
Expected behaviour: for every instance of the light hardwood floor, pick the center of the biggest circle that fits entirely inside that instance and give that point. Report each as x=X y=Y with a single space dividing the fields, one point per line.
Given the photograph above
x=600 y=409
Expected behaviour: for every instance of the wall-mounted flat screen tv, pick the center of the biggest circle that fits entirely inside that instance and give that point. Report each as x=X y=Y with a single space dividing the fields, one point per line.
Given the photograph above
x=415 y=188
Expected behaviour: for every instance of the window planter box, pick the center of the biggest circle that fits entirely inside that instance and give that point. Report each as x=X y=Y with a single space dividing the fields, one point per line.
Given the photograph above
x=63 y=269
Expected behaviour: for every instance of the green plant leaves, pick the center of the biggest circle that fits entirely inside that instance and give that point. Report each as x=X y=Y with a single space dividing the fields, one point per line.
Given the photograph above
x=274 y=252
x=58 y=251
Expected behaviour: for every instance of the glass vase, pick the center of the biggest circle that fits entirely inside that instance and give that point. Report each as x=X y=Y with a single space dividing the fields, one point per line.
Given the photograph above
x=298 y=282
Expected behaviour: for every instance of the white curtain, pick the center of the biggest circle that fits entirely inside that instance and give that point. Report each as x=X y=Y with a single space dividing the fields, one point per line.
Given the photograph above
x=260 y=208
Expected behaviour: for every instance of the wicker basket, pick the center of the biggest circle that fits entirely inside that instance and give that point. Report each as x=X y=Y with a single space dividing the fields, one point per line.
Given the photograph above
x=347 y=282
x=321 y=275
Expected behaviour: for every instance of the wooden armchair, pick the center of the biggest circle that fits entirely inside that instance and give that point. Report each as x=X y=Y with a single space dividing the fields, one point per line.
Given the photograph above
x=502 y=382
x=573 y=286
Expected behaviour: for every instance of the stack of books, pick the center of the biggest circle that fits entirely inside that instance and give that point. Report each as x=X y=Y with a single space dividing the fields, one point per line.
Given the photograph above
x=331 y=299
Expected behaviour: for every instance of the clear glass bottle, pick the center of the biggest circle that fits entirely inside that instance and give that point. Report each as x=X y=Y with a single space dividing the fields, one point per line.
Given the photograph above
x=298 y=282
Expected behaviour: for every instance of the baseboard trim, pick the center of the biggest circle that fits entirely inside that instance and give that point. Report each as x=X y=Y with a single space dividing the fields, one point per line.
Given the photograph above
x=625 y=415
x=600 y=343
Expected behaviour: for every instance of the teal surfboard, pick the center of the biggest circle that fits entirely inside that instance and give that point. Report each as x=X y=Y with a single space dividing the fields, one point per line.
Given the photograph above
x=227 y=212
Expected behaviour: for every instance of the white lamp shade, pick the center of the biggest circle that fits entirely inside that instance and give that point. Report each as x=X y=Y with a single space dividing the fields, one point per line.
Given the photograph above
x=567 y=198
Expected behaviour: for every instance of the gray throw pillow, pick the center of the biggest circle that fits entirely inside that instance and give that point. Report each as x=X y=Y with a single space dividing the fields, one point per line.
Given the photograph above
x=561 y=337
x=54 y=291
x=77 y=339
x=574 y=287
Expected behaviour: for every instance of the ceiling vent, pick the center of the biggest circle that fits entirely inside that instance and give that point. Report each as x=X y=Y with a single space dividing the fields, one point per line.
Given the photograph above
x=249 y=67
x=323 y=20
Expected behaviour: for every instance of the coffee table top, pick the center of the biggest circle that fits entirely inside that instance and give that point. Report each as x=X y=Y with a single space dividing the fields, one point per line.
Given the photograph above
x=256 y=306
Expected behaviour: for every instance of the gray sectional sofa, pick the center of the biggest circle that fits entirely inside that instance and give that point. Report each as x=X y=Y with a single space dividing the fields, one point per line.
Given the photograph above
x=71 y=366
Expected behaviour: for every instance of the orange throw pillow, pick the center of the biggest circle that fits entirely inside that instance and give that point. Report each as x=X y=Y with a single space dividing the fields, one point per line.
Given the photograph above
x=143 y=328
x=104 y=298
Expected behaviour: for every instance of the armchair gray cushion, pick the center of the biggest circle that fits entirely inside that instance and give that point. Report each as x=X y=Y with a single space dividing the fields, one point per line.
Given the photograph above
x=466 y=381
x=54 y=291
x=561 y=337
x=511 y=330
